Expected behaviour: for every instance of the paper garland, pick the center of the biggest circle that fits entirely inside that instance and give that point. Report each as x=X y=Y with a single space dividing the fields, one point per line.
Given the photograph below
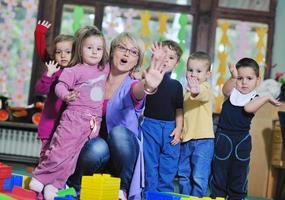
x=261 y=32
x=130 y=14
x=182 y=34
x=78 y=14
x=145 y=18
x=242 y=29
x=162 y=18
x=222 y=56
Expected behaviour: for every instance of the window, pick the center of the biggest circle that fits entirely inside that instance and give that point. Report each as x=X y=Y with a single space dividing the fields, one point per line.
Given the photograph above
x=180 y=2
x=243 y=29
x=74 y=17
x=151 y=25
x=261 y=5
x=236 y=39
x=196 y=25
x=17 y=19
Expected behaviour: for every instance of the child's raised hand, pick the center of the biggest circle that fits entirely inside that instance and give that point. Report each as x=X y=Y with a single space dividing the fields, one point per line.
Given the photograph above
x=52 y=67
x=176 y=134
x=233 y=70
x=193 y=85
x=71 y=96
x=44 y=23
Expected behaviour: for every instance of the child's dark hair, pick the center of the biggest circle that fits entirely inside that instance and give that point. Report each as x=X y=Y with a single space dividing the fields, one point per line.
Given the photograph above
x=200 y=55
x=81 y=36
x=248 y=62
x=61 y=38
x=173 y=46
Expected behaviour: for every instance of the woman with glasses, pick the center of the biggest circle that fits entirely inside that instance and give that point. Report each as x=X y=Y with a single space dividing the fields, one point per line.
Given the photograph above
x=119 y=145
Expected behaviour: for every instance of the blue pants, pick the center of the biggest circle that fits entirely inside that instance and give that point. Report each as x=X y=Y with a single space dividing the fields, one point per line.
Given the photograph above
x=230 y=165
x=161 y=158
x=119 y=152
x=195 y=166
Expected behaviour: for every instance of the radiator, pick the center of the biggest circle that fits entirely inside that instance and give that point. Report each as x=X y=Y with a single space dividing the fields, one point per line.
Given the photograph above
x=19 y=142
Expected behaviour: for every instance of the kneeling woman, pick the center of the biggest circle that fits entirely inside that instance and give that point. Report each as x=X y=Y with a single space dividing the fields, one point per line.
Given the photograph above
x=119 y=145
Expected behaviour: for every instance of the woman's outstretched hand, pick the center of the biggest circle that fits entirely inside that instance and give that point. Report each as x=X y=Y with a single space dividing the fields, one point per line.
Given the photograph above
x=154 y=74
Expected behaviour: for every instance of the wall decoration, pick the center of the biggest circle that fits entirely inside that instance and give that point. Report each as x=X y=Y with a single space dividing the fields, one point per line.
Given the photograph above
x=222 y=57
x=145 y=18
x=78 y=13
x=236 y=39
x=260 y=56
x=17 y=18
x=242 y=44
x=162 y=18
x=182 y=35
x=130 y=15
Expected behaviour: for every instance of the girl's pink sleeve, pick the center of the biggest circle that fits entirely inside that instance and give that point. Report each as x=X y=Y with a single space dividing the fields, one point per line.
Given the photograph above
x=65 y=83
x=43 y=85
x=40 y=42
x=138 y=103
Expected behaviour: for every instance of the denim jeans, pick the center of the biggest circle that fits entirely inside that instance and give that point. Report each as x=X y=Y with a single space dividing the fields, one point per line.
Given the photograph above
x=119 y=151
x=230 y=165
x=161 y=158
x=195 y=166
x=92 y=159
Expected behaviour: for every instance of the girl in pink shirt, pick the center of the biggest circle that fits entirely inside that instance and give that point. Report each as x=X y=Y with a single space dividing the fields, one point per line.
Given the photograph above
x=82 y=88
x=60 y=58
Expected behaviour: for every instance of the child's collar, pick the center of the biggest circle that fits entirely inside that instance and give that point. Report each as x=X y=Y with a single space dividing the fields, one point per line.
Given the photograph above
x=239 y=99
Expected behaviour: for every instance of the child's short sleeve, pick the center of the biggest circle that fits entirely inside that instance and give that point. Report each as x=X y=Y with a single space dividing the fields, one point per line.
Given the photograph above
x=179 y=96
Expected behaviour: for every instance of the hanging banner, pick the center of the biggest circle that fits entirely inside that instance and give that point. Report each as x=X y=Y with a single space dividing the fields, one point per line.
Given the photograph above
x=145 y=18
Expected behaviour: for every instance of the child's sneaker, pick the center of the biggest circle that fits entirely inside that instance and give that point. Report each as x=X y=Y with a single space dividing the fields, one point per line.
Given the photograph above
x=50 y=192
x=36 y=185
x=122 y=195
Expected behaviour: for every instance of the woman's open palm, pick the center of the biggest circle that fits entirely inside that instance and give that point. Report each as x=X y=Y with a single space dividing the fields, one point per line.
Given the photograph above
x=154 y=74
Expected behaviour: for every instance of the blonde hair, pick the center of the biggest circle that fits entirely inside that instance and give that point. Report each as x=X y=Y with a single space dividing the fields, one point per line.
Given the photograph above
x=81 y=35
x=200 y=55
x=136 y=41
x=61 y=38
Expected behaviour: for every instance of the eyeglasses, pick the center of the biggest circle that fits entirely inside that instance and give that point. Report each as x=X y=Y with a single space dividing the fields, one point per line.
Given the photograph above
x=133 y=52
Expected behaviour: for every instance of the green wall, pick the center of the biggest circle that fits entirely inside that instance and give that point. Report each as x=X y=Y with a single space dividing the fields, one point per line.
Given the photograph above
x=279 y=39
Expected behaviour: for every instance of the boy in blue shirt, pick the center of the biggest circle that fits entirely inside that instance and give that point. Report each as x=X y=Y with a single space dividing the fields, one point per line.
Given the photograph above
x=162 y=126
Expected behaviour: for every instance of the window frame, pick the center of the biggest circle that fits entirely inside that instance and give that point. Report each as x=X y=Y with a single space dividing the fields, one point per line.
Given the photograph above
x=204 y=14
x=250 y=16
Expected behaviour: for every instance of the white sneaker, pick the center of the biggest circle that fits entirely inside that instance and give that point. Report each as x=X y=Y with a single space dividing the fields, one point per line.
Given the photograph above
x=36 y=185
x=122 y=195
x=50 y=192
